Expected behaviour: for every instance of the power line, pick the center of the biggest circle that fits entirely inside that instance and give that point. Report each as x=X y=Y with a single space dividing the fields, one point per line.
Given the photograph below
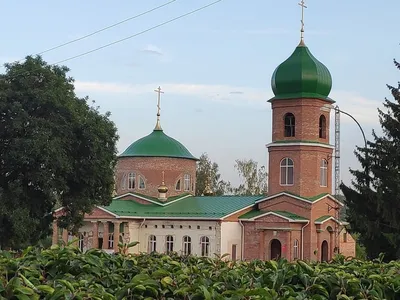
x=124 y=39
x=104 y=29
x=136 y=34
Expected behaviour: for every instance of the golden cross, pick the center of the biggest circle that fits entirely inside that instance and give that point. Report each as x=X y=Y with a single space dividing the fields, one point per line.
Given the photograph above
x=163 y=173
x=303 y=6
x=159 y=92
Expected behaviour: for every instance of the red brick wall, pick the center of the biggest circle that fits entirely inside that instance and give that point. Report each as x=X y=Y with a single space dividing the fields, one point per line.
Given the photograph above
x=136 y=199
x=287 y=203
x=307 y=161
x=150 y=168
x=259 y=234
x=306 y=112
x=348 y=247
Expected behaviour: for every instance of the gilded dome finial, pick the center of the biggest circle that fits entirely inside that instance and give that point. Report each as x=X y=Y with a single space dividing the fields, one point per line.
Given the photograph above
x=303 y=6
x=163 y=189
x=159 y=92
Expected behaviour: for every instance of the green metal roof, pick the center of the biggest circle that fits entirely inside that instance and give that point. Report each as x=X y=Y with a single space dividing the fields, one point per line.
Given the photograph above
x=190 y=207
x=322 y=219
x=157 y=144
x=255 y=213
x=301 y=76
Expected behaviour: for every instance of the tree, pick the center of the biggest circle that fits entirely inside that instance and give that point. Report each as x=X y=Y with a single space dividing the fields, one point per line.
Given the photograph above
x=208 y=173
x=254 y=178
x=373 y=203
x=54 y=148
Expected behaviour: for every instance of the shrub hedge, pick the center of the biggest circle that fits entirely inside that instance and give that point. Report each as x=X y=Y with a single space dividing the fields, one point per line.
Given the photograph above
x=66 y=273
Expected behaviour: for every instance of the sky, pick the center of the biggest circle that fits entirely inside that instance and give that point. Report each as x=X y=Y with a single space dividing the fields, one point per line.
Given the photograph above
x=214 y=65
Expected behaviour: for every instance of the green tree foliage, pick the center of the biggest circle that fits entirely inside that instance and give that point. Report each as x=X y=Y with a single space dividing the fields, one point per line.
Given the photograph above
x=373 y=205
x=54 y=148
x=66 y=273
x=254 y=179
x=208 y=173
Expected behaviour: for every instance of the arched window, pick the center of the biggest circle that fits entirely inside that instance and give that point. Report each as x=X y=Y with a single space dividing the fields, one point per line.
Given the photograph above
x=289 y=125
x=187 y=245
x=152 y=244
x=324 y=173
x=205 y=246
x=80 y=242
x=178 y=185
x=186 y=182
x=142 y=186
x=296 y=249
x=123 y=181
x=287 y=171
x=170 y=243
x=322 y=127
x=131 y=181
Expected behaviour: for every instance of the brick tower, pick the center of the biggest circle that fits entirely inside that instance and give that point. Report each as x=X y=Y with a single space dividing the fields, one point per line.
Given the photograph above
x=300 y=157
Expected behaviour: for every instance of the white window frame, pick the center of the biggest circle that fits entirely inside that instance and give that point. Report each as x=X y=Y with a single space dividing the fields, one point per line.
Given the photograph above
x=141 y=181
x=123 y=181
x=180 y=185
x=296 y=249
x=169 y=244
x=205 y=246
x=323 y=181
x=152 y=247
x=187 y=245
x=284 y=166
x=131 y=181
x=110 y=241
x=186 y=182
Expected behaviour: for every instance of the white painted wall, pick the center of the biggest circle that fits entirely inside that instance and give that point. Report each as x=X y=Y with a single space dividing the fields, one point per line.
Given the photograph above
x=231 y=234
x=211 y=229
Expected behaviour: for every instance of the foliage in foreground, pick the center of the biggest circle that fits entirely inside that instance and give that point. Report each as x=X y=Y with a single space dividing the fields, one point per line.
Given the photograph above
x=66 y=273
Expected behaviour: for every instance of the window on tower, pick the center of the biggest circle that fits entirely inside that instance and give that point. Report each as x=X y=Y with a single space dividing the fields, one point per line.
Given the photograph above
x=287 y=171
x=131 y=180
x=324 y=173
x=186 y=182
x=123 y=181
x=178 y=185
x=322 y=127
x=142 y=185
x=289 y=125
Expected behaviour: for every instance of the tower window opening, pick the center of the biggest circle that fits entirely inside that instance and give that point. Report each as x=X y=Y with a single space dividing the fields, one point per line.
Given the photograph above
x=287 y=171
x=324 y=173
x=131 y=181
x=322 y=127
x=178 y=185
x=142 y=185
x=290 y=125
x=186 y=182
x=123 y=181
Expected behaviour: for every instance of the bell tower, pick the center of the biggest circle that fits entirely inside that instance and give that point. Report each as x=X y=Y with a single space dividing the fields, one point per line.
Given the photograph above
x=300 y=156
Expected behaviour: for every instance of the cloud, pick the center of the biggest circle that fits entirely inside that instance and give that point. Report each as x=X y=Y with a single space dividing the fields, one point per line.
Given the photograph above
x=151 y=49
x=360 y=107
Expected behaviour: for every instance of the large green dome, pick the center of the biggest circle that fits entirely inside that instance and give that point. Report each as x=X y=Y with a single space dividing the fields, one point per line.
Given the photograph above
x=301 y=76
x=157 y=144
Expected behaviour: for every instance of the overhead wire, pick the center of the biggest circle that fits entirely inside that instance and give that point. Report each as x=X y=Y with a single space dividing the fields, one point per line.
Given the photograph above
x=104 y=29
x=124 y=39
x=139 y=33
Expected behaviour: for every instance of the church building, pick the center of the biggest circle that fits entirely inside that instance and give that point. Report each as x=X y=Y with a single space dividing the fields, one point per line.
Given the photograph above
x=155 y=202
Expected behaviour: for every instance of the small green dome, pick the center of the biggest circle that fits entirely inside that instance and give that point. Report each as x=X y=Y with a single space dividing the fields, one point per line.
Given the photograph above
x=301 y=76
x=157 y=144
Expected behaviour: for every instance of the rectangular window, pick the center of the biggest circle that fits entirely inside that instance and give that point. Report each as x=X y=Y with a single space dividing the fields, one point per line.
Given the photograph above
x=345 y=237
x=186 y=182
x=131 y=181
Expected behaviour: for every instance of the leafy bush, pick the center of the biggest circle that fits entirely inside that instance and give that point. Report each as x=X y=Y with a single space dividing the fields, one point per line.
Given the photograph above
x=67 y=273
